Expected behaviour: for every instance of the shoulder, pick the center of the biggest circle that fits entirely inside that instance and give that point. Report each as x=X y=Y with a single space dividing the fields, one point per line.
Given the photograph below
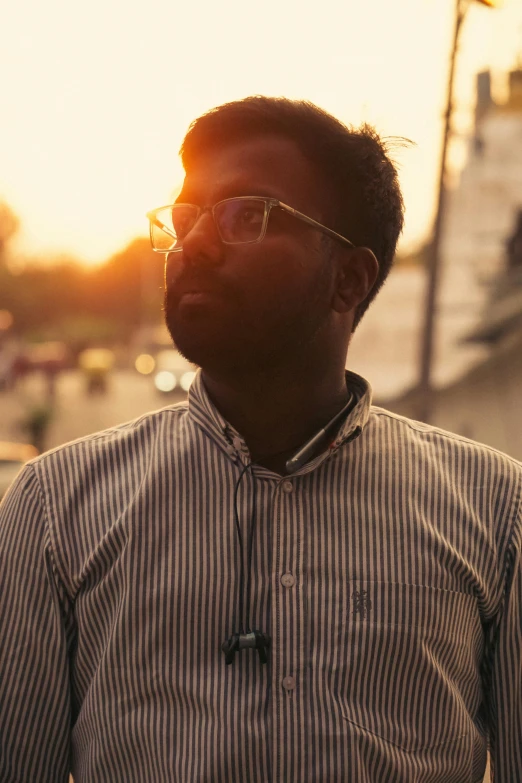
x=430 y=440
x=123 y=439
x=450 y=465
x=106 y=461
x=469 y=482
x=83 y=488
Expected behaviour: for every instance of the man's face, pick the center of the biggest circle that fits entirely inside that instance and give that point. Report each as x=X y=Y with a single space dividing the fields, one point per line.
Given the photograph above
x=252 y=305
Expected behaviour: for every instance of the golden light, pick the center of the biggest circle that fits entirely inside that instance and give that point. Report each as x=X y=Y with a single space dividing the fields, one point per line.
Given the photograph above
x=109 y=124
x=145 y=363
x=96 y=360
x=6 y=320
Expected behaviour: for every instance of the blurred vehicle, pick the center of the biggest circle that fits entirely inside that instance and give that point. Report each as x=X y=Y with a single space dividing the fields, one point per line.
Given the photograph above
x=172 y=371
x=96 y=364
x=49 y=357
x=13 y=457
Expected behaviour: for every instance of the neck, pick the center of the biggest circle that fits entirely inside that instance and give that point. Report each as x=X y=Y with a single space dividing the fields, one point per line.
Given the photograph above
x=277 y=413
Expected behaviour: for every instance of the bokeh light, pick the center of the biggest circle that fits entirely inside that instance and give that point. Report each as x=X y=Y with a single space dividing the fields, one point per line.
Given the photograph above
x=145 y=363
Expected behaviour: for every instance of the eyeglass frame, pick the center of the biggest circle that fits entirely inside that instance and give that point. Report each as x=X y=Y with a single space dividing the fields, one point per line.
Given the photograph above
x=270 y=203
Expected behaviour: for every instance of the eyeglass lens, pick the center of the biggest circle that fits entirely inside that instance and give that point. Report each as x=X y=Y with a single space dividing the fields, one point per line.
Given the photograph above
x=240 y=220
x=237 y=220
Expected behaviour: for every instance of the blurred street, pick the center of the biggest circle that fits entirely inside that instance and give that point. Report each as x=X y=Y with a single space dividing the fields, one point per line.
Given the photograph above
x=75 y=412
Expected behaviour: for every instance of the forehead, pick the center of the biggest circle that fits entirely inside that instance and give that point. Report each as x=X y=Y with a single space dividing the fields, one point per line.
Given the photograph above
x=264 y=165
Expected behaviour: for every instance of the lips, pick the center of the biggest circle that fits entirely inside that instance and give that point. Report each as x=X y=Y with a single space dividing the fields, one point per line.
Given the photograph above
x=195 y=290
x=196 y=295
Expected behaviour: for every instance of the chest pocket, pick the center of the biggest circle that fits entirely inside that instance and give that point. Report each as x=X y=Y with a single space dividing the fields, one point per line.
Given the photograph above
x=408 y=655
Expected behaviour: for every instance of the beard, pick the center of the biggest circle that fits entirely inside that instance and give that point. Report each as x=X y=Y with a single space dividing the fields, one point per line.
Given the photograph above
x=223 y=340
x=203 y=335
x=230 y=343
x=253 y=332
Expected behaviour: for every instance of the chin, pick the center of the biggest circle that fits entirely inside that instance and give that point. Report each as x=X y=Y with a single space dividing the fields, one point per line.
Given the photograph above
x=221 y=345
x=204 y=347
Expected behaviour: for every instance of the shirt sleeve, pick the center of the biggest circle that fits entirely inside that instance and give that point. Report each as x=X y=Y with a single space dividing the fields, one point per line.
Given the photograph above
x=505 y=696
x=35 y=703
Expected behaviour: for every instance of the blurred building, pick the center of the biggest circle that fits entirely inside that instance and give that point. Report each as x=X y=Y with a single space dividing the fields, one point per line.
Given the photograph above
x=478 y=366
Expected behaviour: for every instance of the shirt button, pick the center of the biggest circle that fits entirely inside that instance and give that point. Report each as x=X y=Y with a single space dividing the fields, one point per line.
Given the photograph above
x=237 y=443
x=231 y=451
x=289 y=683
x=288 y=486
x=287 y=580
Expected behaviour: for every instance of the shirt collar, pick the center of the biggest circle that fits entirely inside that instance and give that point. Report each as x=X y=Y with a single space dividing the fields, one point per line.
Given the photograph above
x=359 y=415
x=205 y=414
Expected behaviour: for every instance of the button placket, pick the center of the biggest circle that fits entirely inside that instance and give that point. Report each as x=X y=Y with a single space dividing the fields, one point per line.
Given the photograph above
x=288 y=624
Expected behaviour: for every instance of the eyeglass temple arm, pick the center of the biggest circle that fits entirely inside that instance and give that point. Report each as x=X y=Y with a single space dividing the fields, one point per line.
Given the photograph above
x=153 y=219
x=315 y=224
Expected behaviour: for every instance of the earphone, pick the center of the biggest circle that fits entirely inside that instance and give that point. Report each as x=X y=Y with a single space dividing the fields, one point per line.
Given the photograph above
x=239 y=641
x=305 y=452
x=256 y=639
x=246 y=638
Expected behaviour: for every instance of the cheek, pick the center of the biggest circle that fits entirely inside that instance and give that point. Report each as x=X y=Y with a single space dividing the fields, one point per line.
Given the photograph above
x=287 y=291
x=268 y=287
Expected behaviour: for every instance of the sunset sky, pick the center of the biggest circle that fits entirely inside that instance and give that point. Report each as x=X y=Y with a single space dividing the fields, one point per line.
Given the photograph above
x=96 y=96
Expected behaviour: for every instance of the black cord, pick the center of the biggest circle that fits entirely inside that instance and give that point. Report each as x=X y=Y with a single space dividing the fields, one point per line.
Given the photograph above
x=250 y=532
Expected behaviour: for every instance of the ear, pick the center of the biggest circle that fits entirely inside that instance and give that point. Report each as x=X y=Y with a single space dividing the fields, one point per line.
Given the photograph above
x=357 y=270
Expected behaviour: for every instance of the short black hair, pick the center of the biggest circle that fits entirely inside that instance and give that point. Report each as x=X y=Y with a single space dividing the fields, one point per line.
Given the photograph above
x=354 y=163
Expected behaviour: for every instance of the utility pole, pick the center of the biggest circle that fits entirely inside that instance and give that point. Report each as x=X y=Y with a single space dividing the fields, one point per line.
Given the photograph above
x=425 y=386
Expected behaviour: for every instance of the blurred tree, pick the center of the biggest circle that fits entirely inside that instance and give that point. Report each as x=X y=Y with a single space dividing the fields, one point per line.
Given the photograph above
x=63 y=300
x=129 y=285
x=9 y=225
x=128 y=288
x=41 y=296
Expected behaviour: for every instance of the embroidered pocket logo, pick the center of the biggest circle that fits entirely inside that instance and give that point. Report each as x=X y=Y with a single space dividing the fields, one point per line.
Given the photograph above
x=361 y=603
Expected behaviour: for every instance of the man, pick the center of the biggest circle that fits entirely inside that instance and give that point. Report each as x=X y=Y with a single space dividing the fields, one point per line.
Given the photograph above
x=274 y=581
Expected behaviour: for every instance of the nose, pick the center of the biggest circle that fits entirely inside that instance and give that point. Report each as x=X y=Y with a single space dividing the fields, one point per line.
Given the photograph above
x=202 y=244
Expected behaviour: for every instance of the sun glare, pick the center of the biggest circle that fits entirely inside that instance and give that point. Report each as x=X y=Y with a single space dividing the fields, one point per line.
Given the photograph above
x=85 y=155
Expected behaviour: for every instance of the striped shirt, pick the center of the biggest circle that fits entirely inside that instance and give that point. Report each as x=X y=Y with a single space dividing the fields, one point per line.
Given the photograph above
x=386 y=572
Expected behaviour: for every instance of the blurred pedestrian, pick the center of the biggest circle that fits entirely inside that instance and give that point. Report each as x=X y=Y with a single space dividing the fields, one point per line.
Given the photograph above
x=274 y=581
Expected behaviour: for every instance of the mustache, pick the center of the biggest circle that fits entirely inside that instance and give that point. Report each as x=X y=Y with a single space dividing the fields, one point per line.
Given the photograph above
x=188 y=283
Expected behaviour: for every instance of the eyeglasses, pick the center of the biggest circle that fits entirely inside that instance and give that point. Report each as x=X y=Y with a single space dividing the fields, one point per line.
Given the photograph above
x=239 y=221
